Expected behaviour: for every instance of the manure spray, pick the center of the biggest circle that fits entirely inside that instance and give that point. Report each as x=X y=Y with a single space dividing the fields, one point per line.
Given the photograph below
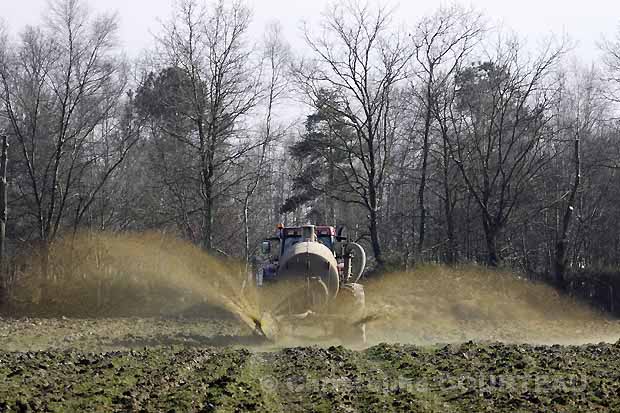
x=432 y=304
x=150 y=266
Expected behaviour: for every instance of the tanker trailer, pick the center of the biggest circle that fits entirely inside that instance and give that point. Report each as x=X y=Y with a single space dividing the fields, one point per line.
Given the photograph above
x=318 y=272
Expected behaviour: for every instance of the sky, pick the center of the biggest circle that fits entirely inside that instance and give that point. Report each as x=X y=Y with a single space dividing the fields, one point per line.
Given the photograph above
x=584 y=21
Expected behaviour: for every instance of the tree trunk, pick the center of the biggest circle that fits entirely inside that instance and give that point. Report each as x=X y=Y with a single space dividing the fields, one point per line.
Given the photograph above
x=3 y=219
x=246 y=230
x=207 y=176
x=374 y=237
x=207 y=242
x=562 y=244
x=448 y=209
x=422 y=189
x=451 y=250
x=491 y=231
x=331 y=202
x=373 y=225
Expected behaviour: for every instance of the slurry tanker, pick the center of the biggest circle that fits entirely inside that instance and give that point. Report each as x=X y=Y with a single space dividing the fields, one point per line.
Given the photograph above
x=318 y=271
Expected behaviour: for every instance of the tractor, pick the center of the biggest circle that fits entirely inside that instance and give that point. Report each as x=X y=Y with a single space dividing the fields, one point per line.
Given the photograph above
x=319 y=269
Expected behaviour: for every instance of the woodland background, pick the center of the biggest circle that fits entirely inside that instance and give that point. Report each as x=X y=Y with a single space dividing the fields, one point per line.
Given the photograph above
x=445 y=140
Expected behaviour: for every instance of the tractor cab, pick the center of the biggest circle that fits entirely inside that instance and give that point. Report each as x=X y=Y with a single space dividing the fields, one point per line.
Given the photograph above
x=290 y=236
x=285 y=240
x=286 y=237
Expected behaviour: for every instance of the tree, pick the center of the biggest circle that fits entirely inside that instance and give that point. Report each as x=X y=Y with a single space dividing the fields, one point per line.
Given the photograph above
x=217 y=84
x=60 y=84
x=362 y=62
x=579 y=114
x=3 y=184
x=276 y=59
x=500 y=130
x=319 y=155
x=451 y=186
x=441 y=42
x=3 y=218
x=583 y=121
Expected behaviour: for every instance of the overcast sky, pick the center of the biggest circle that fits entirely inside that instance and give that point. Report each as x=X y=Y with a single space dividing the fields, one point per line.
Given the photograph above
x=584 y=20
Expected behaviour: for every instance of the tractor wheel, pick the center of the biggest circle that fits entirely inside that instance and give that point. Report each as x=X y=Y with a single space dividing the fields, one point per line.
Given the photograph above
x=317 y=295
x=313 y=296
x=351 y=304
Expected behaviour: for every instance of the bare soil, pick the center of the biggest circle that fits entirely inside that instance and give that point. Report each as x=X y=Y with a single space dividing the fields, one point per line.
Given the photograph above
x=155 y=364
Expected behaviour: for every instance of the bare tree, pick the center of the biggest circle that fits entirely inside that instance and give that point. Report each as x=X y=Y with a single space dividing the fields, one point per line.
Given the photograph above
x=3 y=183
x=581 y=111
x=60 y=84
x=276 y=59
x=362 y=61
x=451 y=185
x=441 y=42
x=501 y=127
x=220 y=84
x=3 y=220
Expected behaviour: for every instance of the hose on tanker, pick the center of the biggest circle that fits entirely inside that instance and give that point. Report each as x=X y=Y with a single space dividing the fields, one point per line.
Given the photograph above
x=358 y=260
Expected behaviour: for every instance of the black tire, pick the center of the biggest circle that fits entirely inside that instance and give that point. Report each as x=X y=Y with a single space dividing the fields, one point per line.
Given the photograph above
x=351 y=304
x=313 y=296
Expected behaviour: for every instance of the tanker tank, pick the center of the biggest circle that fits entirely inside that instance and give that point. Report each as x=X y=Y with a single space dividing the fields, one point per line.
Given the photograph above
x=310 y=259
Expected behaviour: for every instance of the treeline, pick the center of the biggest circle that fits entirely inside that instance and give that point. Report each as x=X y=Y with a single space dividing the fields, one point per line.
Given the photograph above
x=439 y=140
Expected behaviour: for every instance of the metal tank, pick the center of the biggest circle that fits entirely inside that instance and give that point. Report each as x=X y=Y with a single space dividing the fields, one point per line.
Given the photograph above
x=310 y=259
